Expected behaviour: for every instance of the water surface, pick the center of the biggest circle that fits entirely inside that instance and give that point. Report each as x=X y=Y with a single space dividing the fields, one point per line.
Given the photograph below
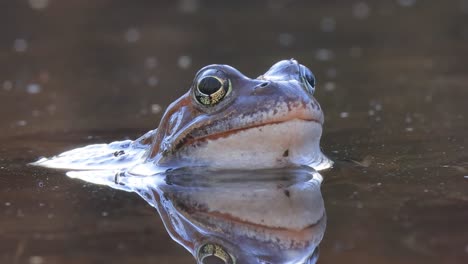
x=392 y=80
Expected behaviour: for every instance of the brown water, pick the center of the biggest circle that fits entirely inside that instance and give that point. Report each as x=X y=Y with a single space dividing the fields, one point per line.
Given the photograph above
x=392 y=79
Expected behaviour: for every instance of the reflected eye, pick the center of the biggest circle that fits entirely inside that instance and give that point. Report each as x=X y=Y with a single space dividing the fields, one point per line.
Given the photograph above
x=308 y=78
x=211 y=90
x=213 y=253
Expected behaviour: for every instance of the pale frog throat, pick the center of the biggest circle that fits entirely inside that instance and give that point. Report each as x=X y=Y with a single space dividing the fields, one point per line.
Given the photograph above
x=225 y=120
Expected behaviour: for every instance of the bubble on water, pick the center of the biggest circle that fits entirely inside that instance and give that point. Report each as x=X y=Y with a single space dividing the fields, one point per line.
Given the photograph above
x=361 y=10
x=371 y=112
x=344 y=114
x=33 y=88
x=40 y=184
x=36 y=260
x=7 y=203
x=151 y=62
x=329 y=86
x=378 y=106
x=152 y=81
x=408 y=119
x=406 y=3
x=184 y=62
x=355 y=52
x=327 y=24
x=188 y=6
x=104 y=213
x=132 y=35
x=51 y=109
x=21 y=123
x=324 y=55
x=50 y=216
x=409 y=129
x=20 y=45
x=38 y=4
x=7 y=85
x=285 y=39
x=156 y=108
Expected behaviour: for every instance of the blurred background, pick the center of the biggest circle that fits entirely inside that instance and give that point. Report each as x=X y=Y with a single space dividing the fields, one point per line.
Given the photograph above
x=392 y=79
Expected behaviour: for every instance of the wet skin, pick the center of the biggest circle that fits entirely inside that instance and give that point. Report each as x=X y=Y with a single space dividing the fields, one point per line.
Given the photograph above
x=270 y=121
x=226 y=120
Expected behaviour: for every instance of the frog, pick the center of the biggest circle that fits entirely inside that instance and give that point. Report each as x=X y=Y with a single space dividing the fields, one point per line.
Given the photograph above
x=233 y=216
x=225 y=120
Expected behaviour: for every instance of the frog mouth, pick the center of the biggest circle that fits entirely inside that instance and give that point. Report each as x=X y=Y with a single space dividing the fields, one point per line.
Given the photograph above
x=231 y=132
x=290 y=237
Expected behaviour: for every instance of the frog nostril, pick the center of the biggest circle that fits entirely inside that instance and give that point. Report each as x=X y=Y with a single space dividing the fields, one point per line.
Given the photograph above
x=263 y=88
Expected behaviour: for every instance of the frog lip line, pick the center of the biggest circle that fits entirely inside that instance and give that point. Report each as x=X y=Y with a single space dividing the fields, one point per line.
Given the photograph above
x=225 y=134
x=301 y=233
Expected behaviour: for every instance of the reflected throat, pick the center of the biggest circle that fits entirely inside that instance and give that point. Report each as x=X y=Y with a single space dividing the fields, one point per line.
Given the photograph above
x=291 y=142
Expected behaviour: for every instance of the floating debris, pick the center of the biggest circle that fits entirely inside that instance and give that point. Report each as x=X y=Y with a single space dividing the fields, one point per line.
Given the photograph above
x=361 y=10
x=184 y=62
x=156 y=109
x=36 y=260
x=344 y=114
x=329 y=86
x=33 y=88
x=152 y=81
x=38 y=4
x=459 y=168
x=21 y=123
x=327 y=24
x=7 y=85
x=132 y=35
x=189 y=6
x=324 y=55
x=20 y=45
x=285 y=39
x=365 y=162
x=151 y=63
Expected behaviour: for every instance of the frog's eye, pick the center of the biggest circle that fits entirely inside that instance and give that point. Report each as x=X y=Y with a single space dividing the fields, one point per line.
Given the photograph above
x=308 y=79
x=214 y=253
x=210 y=90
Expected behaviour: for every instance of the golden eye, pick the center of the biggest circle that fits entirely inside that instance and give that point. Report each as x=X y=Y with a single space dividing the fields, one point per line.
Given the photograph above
x=211 y=90
x=213 y=253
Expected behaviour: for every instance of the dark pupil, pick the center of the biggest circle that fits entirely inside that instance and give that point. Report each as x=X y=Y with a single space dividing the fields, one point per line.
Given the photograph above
x=209 y=85
x=213 y=260
x=310 y=78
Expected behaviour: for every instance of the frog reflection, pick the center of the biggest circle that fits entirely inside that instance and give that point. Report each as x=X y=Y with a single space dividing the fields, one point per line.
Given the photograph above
x=225 y=120
x=263 y=216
